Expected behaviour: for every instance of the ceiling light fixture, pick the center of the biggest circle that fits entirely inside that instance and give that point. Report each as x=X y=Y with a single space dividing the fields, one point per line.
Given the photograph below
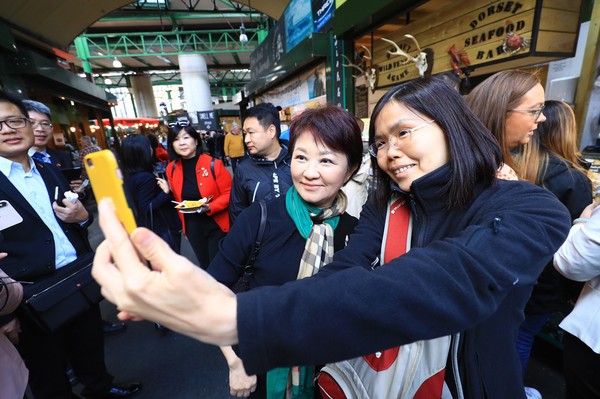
x=117 y=63
x=243 y=36
x=107 y=81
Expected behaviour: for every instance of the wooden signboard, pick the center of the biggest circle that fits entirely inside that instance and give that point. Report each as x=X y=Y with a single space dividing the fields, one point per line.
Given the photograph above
x=478 y=30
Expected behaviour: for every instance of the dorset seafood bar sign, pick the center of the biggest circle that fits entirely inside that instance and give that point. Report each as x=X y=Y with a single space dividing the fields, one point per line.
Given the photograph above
x=472 y=34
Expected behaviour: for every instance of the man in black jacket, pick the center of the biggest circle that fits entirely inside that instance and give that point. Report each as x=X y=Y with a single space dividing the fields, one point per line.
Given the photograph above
x=50 y=236
x=266 y=173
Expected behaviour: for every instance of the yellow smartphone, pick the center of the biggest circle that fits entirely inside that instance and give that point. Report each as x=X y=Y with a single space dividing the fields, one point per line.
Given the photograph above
x=107 y=182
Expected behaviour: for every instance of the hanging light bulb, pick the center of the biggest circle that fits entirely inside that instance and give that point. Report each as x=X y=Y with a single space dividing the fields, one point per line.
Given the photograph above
x=117 y=63
x=107 y=81
x=243 y=36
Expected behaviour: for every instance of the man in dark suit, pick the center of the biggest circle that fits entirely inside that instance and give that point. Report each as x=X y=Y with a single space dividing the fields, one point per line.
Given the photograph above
x=41 y=122
x=50 y=236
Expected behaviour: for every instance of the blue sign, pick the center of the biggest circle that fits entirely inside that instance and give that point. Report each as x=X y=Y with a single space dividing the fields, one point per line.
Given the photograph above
x=322 y=13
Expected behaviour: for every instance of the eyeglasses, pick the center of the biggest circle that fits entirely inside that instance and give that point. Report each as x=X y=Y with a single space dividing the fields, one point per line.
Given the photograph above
x=15 y=123
x=378 y=147
x=534 y=112
x=43 y=125
x=179 y=123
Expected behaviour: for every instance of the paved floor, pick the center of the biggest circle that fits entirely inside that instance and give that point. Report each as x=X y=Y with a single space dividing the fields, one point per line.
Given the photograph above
x=173 y=366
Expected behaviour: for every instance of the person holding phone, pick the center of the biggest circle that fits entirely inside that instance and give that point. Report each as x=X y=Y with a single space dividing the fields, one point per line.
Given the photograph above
x=192 y=176
x=471 y=235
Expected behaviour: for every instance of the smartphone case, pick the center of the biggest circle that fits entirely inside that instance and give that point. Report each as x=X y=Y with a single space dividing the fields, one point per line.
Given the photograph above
x=8 y=215
x=107 y=182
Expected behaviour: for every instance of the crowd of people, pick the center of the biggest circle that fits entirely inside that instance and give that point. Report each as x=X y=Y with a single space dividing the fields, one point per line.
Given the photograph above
x=441 y=280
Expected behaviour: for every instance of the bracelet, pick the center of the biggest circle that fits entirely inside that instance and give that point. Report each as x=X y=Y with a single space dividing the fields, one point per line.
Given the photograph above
x=580 y=220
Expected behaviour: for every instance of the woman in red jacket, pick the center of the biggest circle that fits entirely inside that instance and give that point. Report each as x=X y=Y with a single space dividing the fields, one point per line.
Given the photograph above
x=192 y=176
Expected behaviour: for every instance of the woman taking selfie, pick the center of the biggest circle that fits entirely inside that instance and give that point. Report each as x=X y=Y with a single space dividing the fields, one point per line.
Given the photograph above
x=461 y=277
x=193 y=176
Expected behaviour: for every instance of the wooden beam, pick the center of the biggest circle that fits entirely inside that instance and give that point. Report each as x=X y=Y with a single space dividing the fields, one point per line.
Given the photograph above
x=585 y=84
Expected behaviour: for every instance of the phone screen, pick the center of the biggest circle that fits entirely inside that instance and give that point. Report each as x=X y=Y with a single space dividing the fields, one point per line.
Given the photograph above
x=107 y=182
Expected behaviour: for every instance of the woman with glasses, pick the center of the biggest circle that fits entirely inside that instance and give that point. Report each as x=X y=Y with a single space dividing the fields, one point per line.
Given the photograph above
x=511 y=105
x=435 y=163
x=192 y=176
x=550 y=160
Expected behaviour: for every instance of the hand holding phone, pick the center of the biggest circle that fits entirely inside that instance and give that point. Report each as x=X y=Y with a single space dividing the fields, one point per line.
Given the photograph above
x=107 y=182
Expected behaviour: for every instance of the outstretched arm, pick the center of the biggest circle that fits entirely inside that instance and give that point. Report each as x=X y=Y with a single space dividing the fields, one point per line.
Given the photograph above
x=174 y=292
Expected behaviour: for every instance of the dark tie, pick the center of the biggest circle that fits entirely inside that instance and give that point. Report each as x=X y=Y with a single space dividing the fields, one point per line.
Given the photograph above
x=38 y=156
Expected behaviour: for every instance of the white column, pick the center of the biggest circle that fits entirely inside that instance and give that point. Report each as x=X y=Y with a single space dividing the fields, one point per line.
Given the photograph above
x=143 y=96
x=196 y=88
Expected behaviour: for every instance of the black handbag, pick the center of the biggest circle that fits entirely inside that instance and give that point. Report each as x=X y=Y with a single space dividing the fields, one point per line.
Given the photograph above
x=243 y=283
x=59 y=298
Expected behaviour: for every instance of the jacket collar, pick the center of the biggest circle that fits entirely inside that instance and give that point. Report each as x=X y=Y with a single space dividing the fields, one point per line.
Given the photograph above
x=429 y=191
x=282 y=158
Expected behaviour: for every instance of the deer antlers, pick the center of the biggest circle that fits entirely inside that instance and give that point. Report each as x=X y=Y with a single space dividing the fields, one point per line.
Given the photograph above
x=420 y=60
x=370 y=73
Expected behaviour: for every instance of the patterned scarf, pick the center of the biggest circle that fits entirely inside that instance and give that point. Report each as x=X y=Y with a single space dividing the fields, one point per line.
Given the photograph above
x=317 y=226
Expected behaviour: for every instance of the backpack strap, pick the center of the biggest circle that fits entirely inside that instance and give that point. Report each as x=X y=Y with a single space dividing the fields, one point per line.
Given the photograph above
x=212 y=168
x=249 y=268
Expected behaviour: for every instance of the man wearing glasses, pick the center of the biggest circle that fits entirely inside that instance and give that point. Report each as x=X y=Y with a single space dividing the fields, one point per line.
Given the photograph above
x=47 y=238
x=39 y=115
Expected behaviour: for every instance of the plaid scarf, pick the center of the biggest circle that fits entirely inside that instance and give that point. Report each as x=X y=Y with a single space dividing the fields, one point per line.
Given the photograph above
x=317 y=226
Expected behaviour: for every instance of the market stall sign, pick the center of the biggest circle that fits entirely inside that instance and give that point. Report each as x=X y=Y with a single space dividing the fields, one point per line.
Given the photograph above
x=479 y=33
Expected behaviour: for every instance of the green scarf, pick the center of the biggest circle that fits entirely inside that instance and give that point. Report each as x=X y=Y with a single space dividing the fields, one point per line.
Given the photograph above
x=303 y=214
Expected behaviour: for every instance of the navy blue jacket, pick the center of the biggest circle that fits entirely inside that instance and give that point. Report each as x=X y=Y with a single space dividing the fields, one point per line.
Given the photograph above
x=470 y=271
x=146 y=195
x=282 y=247
x=61 y=159
x=259 y=179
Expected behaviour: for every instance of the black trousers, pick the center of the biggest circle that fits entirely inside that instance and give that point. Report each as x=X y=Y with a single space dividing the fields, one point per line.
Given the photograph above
x=204 y=235
x=46 y=355
x=581 y=368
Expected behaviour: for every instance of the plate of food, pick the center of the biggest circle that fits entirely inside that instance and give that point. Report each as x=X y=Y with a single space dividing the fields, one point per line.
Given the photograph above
x=188 y=206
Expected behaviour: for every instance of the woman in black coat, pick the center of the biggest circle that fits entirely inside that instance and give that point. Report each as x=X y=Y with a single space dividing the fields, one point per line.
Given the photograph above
x=148 y=194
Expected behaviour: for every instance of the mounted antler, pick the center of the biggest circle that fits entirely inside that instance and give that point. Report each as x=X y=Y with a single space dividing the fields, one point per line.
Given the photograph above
x=367 y=57
x=350 y=64
x=420 y=60
x=370 y=73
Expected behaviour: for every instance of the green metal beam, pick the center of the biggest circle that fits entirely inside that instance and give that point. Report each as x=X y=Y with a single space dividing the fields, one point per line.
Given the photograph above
x=134 y=15
x=230 y=77
x=146 y=44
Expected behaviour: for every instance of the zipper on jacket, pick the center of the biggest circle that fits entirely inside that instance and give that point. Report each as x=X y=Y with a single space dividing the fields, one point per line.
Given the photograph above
x=455 y=370
x=496 y=224
x=255 y=191
x=422 y=220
